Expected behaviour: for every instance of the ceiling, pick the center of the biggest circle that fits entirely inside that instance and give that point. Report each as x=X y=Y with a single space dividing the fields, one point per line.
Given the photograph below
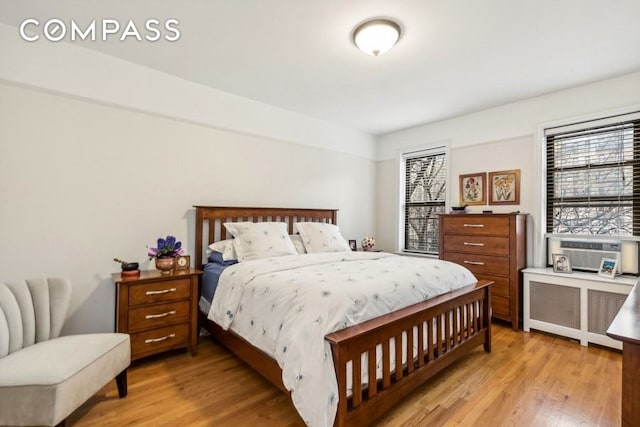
x=455 y=57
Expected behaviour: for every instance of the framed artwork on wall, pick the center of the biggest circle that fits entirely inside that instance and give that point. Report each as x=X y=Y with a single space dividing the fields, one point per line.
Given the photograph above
x=473 y=189
x=504 y=187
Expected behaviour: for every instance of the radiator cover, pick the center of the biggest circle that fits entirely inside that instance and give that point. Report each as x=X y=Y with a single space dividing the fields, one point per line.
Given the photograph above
x=579 y=305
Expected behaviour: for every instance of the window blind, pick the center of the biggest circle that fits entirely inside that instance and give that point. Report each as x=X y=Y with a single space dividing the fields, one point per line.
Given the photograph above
x=593 y=178
x=425 y=196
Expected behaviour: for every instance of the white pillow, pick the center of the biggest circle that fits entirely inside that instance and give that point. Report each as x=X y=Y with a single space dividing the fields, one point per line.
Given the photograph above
x=297 y=242
x=255 y=240
x=225 y=247
x=322 y=237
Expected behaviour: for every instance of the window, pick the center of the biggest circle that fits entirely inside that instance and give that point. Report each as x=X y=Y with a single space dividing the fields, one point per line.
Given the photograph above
x=593 y=177
x=425 y=178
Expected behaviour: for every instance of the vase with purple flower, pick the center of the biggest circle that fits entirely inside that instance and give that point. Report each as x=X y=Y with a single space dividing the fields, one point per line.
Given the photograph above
x=165 y=252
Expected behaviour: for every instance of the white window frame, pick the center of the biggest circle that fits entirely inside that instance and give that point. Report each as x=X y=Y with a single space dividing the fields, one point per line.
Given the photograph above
x=539 y=235
x=432 y=149
x=558 y=130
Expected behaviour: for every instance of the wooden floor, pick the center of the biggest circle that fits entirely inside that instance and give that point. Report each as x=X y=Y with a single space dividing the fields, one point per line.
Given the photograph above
x=529 y=379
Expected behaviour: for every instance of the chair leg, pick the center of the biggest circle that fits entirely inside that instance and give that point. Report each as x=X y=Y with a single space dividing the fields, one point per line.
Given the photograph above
x=121 y=381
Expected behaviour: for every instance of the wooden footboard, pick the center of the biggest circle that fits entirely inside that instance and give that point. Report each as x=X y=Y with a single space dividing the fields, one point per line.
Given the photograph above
x=464 y=316
x=453 y=323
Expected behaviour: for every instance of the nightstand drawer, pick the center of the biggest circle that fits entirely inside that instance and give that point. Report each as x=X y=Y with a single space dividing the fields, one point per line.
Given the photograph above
x=159 y=311
x=480 y=264
x=166 y=290
x=478 y=244
x=158 y=315
x=159 y=339
x=476 y=224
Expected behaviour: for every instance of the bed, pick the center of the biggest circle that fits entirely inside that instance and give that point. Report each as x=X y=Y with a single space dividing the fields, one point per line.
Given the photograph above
x=372 y=373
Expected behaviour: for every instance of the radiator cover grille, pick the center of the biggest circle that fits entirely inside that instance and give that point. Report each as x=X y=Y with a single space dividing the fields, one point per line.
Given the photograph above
x=603 y=307
x=559 y=305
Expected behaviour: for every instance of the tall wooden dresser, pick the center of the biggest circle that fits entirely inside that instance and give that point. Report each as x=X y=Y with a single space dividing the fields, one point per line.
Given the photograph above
x=493 y=247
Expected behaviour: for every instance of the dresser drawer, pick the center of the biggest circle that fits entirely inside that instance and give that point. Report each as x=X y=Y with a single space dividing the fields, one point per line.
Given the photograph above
x=500 y=286
x=152 y=316
x=168 y=290
x=501 y=307
x=476 y=224
x=480 y=264
x=478 y=244
x=159 y=339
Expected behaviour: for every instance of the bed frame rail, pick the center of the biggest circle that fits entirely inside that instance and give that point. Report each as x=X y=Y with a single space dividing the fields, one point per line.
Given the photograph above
x=456 y=322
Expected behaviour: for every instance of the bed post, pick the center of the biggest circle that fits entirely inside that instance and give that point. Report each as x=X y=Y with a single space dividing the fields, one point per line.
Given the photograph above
x=199 y=225
x=486 y=308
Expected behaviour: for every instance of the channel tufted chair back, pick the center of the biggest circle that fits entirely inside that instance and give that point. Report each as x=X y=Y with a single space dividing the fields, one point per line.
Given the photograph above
x=45 y=377
x=32 y=311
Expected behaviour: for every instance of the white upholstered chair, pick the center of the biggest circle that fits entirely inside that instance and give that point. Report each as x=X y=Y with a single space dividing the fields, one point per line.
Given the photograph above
x=44 y=377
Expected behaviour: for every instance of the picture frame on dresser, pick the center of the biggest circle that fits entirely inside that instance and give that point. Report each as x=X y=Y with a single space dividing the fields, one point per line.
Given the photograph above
x=608 y=268
x=353 y=245
x=473 y=189
x=561 y=263
x=504 y=187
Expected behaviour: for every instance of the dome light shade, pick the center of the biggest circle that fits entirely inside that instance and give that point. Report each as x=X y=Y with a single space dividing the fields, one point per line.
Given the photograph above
x=376 y=36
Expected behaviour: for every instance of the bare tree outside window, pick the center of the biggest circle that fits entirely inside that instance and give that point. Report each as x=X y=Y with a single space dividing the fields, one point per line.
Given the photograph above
x=425 y=193
x=593 y=180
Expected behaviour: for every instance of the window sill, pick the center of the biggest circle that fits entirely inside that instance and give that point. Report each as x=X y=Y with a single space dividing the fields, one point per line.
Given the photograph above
x=417 y=255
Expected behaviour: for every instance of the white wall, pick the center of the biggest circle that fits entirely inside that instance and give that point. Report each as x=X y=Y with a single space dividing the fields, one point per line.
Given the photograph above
x=99 y=157
x=80 y=72
x=501 y=138
x=81 y=183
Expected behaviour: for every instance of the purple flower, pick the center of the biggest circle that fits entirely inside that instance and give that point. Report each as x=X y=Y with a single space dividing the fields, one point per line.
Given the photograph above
x=167 y=247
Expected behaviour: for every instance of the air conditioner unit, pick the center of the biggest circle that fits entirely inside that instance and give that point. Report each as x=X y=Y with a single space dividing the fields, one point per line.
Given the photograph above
x=587 y=254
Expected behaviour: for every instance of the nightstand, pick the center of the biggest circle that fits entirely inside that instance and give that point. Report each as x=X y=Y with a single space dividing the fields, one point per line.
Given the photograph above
x=159 y=311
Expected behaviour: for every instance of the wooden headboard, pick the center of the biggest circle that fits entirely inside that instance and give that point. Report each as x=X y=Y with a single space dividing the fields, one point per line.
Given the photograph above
x=209 y=220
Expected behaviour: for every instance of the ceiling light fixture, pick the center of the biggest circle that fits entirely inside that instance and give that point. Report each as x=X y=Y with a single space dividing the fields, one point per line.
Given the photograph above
x=376 y=36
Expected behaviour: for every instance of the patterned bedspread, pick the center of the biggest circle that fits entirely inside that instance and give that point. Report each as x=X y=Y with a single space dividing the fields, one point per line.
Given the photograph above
x=286 y=305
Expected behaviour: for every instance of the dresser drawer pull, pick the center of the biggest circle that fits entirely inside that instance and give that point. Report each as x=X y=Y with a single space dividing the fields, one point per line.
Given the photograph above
x=164 y=291
x=166 y=337
x=473 y=244
x=474 y=225
x=155 y=316
x=474 y=262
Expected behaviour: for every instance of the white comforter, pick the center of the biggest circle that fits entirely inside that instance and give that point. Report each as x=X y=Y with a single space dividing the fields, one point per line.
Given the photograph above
x=286 y=305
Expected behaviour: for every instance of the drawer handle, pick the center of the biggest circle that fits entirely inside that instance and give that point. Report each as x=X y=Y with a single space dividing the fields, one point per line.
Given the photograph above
x=474 y=225
x=155 y=316
x=166 y=337
x=474 y=262
x=473 y=244
x=164 y=291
